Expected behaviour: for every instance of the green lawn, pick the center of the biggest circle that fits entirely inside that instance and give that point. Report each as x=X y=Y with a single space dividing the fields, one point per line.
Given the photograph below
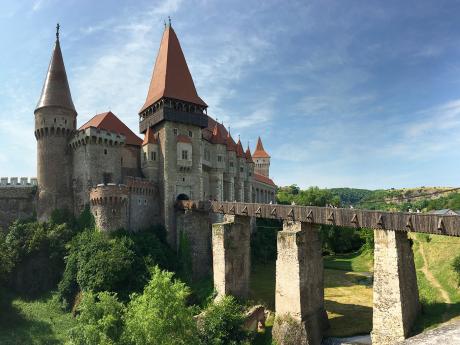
x=37 y=322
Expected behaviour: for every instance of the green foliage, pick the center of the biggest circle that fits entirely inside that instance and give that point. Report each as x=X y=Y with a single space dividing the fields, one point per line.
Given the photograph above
x=120 y=263
x=99 y=320
x=350 y=196
x=312 y=196
x=340 y=239
x=160 y=315
x=185 y=258
x=263 y=241
x=456 y=268
x=222 y=323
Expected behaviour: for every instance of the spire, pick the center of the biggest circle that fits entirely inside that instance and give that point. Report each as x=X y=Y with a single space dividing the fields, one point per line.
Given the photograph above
x=230 y=142
x=171 y=77
x=248 y=155
x=239 y=149
x=217 y=136
x=56 y=91
x=260 y=151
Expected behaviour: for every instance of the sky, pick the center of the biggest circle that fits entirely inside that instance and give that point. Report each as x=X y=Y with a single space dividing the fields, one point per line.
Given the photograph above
x=361 y=94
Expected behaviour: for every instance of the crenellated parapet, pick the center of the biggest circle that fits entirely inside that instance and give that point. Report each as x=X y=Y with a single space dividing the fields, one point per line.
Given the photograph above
x=92 y=135
x=109 y=205
x=52 y=131
x=18 y=181
x=141 y=186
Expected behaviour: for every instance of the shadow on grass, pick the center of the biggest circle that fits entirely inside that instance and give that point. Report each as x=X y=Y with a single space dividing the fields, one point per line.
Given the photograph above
x=348 y=319
x=433 y=314
x=16 y=328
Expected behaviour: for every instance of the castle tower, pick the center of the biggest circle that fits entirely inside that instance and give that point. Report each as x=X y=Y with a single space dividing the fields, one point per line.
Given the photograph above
x=175 y=114
x=149 y=156
x=262 y=160
x=240 y=172
x=55 y=122
x=249 y=176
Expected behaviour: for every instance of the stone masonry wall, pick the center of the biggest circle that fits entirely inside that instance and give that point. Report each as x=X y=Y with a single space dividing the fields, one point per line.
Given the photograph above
x=396 y=301
x=109 y=205
x=16 y=203
x=144 y=206
x=231 y=256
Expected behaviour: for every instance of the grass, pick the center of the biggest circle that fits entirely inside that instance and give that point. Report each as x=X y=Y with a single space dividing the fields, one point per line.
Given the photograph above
x=37 y=322
x=361 y=261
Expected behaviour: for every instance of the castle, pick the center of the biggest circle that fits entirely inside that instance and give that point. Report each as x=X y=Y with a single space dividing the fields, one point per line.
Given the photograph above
x=131 y=182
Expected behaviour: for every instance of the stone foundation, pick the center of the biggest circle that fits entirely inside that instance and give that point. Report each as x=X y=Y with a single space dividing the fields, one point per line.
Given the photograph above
x=396 y=302
x=299 y=300
x=231 y=256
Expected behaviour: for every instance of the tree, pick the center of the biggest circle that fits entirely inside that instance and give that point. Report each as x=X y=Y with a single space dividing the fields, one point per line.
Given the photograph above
x=160 y=315
x=100 y=320
x=222 y=323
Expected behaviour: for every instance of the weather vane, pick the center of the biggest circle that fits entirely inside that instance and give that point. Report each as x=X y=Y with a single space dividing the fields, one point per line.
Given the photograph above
x=169 y=19
x=57 y=31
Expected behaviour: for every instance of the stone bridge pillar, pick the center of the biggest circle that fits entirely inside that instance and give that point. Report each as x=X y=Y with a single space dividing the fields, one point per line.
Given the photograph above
x=396 y=302
x=231 y=256
x=194 y=240
x=299 y=300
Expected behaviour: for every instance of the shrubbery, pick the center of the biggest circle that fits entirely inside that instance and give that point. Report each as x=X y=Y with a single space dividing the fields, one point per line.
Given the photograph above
x=456 y=268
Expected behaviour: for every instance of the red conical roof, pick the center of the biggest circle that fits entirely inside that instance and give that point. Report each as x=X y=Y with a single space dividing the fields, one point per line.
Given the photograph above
x=56 y=91
x=217 y=135
x=239 y=149
x=260 y=151
x=248 y=155
x=149 y=137
x=231 y=146
x=111 y=123
x=171 y=76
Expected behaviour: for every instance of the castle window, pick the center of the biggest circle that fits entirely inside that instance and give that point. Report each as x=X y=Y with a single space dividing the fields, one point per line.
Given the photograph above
x=138 y=201
x=145 y=156
x=219 y=158
x=175 y=131
x=241 y=169
x=190 y=134
x=184 y=155
x=145 y=201
x=105 y=151
x=231 y=164
x=153 y=156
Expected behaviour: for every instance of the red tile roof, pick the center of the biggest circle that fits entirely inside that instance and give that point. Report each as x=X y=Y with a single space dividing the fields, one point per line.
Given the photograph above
x=260 y=151
x=239 y=149
x=249 y=156
x=149 y=137
x=217 y=135
x=171 y=76
x=264 y=179
x=183 y=139
x=112 y=123
x=231 y=146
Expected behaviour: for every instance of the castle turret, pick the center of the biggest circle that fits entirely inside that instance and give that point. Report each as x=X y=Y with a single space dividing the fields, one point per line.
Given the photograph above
x=262 y=160
x=176 y=115
x=150 y=158
x=109 y=205
x=55 y=122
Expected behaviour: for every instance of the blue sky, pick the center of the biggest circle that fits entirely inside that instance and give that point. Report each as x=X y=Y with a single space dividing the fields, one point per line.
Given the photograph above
x=343 y=93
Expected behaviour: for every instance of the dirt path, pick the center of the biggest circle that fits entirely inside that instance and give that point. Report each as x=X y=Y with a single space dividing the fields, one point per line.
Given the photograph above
x=431 y=278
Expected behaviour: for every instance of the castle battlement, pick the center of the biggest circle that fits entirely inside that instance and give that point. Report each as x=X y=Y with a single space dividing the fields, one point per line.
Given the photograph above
x=92 y=135
x=109 y=194
x=140 y=186
x=18 y=181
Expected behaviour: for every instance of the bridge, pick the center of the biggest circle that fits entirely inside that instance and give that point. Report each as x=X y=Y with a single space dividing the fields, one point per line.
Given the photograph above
x=299 y=298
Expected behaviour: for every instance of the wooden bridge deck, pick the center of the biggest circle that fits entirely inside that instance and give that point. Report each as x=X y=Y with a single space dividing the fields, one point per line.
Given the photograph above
x=397 y=221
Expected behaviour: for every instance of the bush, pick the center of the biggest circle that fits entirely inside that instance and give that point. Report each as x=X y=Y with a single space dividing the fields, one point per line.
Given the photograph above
x=222 y=323
x=160 y=315
x=120 y=263
x=456 y=268
x=99 y=320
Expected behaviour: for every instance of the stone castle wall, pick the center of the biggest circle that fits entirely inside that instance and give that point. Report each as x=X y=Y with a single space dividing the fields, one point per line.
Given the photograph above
x=17 y=201
x=109 y=205
x=144 y=204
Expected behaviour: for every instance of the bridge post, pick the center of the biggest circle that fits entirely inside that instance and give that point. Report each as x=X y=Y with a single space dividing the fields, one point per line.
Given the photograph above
x=396 y=301
x=194 y=237
x=231 y=256
x=299 y=300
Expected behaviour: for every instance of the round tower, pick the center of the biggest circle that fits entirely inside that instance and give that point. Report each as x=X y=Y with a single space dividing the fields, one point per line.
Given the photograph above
x=109 y=206
x=55 y=122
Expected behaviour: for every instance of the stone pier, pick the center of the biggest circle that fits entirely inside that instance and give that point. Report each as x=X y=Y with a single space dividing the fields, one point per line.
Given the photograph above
x=299 y=300
x=396 y=301
x=231 y=256
x=194 y=237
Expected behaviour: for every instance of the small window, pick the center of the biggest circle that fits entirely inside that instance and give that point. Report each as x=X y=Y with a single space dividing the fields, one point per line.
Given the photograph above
x=145 y=201
x=151 y=156
x=184 y=154
x=105 y=151
x=175 y=131
x=231 y=164
x=219 y=158
x=145 y=156
x=54 y=120
x=190 y=134
x=241 y=169
x=138 y=201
